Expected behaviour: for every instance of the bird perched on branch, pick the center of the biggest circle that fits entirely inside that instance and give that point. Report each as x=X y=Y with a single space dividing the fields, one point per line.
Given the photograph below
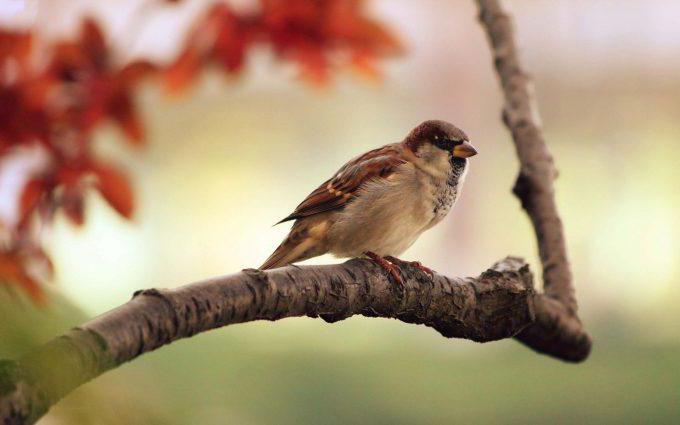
x=380 y=202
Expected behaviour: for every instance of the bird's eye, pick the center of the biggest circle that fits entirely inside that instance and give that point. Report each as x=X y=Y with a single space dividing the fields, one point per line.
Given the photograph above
x=445 y=144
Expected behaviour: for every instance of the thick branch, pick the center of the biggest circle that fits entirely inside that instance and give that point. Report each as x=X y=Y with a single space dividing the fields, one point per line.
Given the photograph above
x=558 y=329
x=497 y=304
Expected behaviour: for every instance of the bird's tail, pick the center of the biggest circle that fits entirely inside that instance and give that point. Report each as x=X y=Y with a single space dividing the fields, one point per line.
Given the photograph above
x=282 y=256
x=299 y=245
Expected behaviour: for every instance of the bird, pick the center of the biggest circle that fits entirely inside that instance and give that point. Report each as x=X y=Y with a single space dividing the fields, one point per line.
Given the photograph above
x=378 y=203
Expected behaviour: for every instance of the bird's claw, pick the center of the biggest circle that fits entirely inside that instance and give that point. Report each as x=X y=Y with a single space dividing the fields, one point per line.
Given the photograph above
x=415 y=264
x=387 y=266
x=390 y=264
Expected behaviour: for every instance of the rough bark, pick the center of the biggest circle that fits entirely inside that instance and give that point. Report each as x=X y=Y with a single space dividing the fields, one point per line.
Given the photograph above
x=557 y=330
x=497 y=304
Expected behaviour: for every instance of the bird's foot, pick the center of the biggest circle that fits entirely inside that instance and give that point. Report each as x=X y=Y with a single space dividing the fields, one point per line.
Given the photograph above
x=415 y=264
x=387 y=266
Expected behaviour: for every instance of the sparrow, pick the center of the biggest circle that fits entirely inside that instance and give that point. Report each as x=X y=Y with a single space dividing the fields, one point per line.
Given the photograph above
x=378 y=203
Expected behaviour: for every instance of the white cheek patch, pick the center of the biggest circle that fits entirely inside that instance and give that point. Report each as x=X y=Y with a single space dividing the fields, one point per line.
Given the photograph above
x=461 y=179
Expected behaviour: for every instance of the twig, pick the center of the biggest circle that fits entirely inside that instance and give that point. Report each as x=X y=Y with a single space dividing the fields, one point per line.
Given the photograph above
x=558 y=328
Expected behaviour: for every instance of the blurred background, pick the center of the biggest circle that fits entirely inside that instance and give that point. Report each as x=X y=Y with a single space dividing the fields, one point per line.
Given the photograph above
x=231 y=158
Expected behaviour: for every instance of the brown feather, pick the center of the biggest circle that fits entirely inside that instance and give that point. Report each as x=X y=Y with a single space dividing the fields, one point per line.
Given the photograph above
x=336 y=192
x=305 y=240
x=278 y=257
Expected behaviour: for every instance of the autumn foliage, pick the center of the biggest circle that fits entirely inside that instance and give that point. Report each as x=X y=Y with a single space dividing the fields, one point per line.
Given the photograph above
x=56 y=106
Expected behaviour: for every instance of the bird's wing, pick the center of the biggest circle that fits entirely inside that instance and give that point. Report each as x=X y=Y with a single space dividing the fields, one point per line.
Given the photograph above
x=336 y=192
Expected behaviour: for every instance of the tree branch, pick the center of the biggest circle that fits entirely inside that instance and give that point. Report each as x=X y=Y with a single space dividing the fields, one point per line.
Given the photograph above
x=497 y=304
x=558 y=330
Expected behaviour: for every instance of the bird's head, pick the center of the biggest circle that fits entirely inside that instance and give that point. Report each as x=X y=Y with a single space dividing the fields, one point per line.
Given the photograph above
x=433 y=139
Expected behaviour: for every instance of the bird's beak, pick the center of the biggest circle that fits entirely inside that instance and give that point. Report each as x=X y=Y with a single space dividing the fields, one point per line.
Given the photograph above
x=464 y=150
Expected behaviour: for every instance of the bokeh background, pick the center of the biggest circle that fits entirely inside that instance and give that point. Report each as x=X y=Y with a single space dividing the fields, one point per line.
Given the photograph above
x=233 y=157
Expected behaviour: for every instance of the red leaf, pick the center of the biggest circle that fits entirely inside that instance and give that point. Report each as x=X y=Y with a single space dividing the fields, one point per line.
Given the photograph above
x=16 y=45
x=74 y=206
x=230 y=46
x=92 y=41
x=94 y=107
x=22 y=117
x=30 y=197
x=123 y=111
x=314 y=66
x=179 y=75
x=322 y=34
x=12 y=271
x=115 y=188
x=70 y=175
x=233 y=37
x=135 y=71
x=364 y=65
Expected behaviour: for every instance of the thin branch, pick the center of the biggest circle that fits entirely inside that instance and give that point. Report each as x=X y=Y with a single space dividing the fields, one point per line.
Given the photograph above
x=497 y=304
x=558 y=328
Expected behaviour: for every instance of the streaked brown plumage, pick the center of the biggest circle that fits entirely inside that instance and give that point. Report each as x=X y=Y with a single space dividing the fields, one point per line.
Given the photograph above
x=381 y=201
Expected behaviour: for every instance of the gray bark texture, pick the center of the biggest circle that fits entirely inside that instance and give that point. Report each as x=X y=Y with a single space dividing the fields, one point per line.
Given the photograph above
x=500 y=303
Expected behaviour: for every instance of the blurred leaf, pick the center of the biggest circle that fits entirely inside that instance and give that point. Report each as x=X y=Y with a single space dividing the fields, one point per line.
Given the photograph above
x=73 y=205
x=115 y=188
x=30 y=196
x=12 y=272
x=180 y=74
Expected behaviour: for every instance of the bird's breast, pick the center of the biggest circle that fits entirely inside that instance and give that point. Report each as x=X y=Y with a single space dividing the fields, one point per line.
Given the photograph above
x=445 y=194
x=444 y=191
